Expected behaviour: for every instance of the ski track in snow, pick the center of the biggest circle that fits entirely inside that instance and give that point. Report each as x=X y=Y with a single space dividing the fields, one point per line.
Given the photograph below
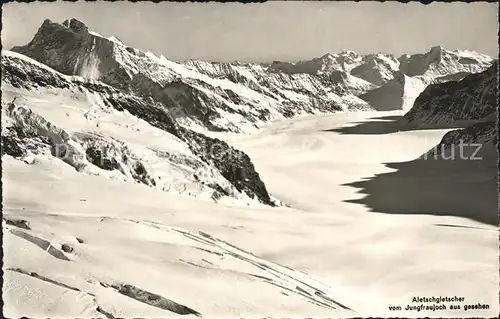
x=289 y=281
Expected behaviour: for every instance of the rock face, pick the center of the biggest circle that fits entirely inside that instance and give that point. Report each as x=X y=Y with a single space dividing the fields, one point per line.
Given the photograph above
x=95 y=128
x=472 y=98
x=474 y=142
x=470 y=103
x=225 y=97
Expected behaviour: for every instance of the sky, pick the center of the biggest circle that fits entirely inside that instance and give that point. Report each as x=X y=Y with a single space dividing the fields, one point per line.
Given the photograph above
x=265 y=32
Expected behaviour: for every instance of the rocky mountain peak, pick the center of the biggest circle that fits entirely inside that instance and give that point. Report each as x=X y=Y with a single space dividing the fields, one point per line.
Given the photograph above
x=436 y=54
x=439 y=62
x=437 y=49
x=51 y=32
x=349 y=53
x=72 y=49
x=76 y=26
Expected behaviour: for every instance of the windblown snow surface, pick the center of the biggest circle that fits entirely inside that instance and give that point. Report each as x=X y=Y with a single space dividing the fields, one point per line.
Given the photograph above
x=79 y=245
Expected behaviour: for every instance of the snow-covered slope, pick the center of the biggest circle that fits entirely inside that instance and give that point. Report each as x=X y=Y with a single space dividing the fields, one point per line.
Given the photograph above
x=344 y=82
x=236 y=102
x=78 y=246
x=397 y=94
x=377 y=68
x=294 y=86
x=100 y=130
x=363 y=235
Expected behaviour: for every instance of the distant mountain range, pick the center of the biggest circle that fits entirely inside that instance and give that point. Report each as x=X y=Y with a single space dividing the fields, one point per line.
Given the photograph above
x=94 y=95
x=238 y=97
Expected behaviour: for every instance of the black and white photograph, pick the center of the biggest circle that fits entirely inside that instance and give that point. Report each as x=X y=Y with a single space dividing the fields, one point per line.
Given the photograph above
x=281 y=159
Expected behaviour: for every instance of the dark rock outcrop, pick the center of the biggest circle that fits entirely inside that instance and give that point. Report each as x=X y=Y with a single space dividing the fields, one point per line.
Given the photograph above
x=469 y=142
x=233 y=164
x=474 y=98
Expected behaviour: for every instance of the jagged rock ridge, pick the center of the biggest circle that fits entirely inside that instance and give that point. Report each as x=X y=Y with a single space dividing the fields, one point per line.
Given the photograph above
x=238 y=102
x=384 y=81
